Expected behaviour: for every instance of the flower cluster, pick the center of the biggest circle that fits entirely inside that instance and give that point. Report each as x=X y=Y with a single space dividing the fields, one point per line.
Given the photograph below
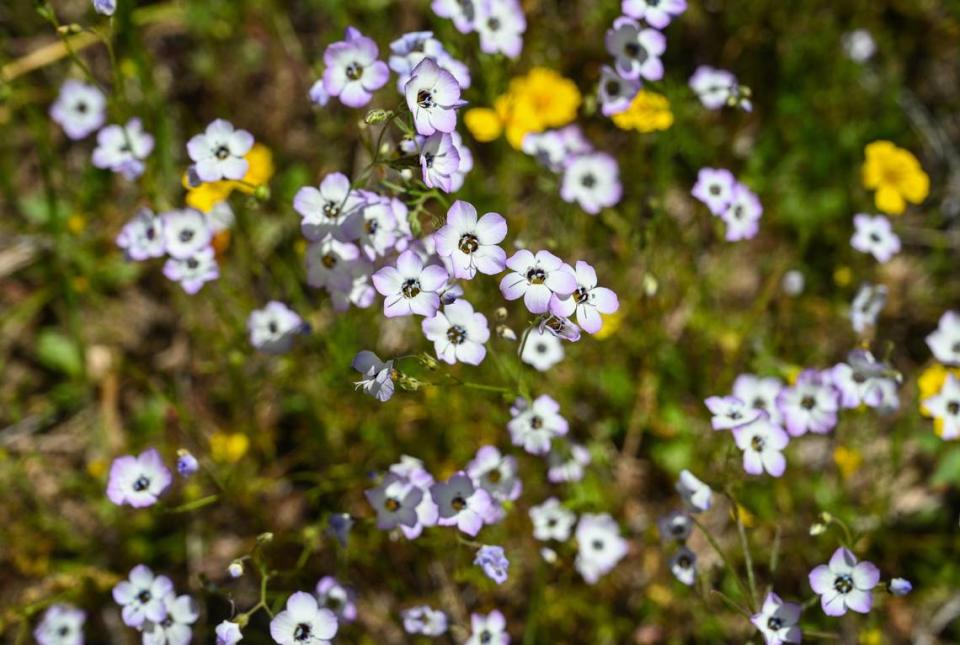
x=150 y=605
x=735 y=204
x=500 y=24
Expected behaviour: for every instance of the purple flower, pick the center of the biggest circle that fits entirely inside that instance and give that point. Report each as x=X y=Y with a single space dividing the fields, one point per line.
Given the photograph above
x=353 y=72
x=463 y=13
x=105 y=7
x=327 y=264
x=359 y=292
x=488 y=630
x=697 y=496
x=61 y=625
x=675 y=525
x=534 y=425
x=742 y=216
x=395 y=500
x=193 y=271
x=458 y=333
x=185 y=232
x=494 y=563
x=303 y=621
x=122 y=149
x=175 y=628
x=867 y=305
x=760 y=393
x=715 y=188
x=142 y=596
x=495 y=473
x=615 y=92
x=864 y=381
x=424 y=620
x=729 y=412
x=777 y=621
x=944 y=341
x=593 y=181
x=413 y=472
x=377 y=375
x=566 y=462
x=439 y=161
x=80 y=109
x=656 y=13
x=762 y=444
x=410 y=287
x=142 y=237
x=536 y=278
x=600 y=546
x=219 y=152
x=378 y=226
x=900 y=586
x=810 y=405
x=874 y=235
x=273 y=328
x=683 y=566
x=323 y=210
x=588 y=300
x=462 y=504
x=560 y=327
x=717 y=87
x=187 y=464
x=636 y=50
x=337 y=598
x=433 y=96
x=138 y=481
x=339 y=526
x=471 y=243
x=318 y=93
x=500 y=25
x=409 y=49
x=844 y=583
x=228 y=633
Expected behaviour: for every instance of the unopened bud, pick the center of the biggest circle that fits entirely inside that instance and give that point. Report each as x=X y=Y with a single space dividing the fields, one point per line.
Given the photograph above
x=500 y=314
x=377 y=116
x=818 y=528
x=235 y=569
x=265 y=538
x=262 y=193
x=506 y=333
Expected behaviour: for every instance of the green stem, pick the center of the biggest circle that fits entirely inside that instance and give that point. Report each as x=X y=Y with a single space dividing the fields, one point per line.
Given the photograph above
x=195 y=504
x=723 y=556
x=744 y=544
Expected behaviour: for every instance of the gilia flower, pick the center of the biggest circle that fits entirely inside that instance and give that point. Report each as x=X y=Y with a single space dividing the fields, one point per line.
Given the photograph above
x=717 y=87
x=588 y=300
x=207 y=195
x=864 y=381
x=944 y=341
x=471 y=243
x=228 y=633
x=410 y=287
x=675 y=525
x=105 y=7
x=730 y=412
x=809 y=405
x=458 y=333
x=636 y=50
x=303 y=622
x=185 y=232
x=61 y=625
x=433 y=96
x=193 y=271
x=552 y=521
x=500 y=25
x=534 y=425
x=542 y=350
x=647 y=112
x=495 y=473
x=318 y=93
x=896 y=175
x=424 y=620
x=439 y=161
x=844 y=583
x=714 y=188
x=142 y=596
x=900 y=586
x=494 y=563
x=867 y=305
x=273 y=328
x=593 y=181
x=142 y=237
x=462 y=504
x=683 y=566
x=377 y=375
x=138 y=481
x=122 y=149
x=656 y=13
x=187 y=464
x=566 y=462
x=328 y=263
x=488 y=630
x=696 y=495
x=80 y=109
x=395 y=500
x=555 y=149
x=874 y=235
x=219 y=152
x=337 y=598
x=615 y=92
x=762 y=444
x=409 y=49
x=536 y=278
x=944 y=407
x=859 y=45
x=463 y=13
x=777 y=621
x=599 y=546
x=174 y=629
x=353 y=72
x=324 y=209
x=760 y=393
x=742 y=216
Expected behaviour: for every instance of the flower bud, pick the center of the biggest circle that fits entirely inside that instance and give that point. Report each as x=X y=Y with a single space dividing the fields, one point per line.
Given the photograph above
x=235 y=569
x=818 y=528
x=506 y=333
x=262 y=193
x=377 y=116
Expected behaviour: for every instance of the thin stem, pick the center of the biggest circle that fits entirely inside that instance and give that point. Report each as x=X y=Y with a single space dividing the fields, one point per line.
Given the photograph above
x=195 y=504
x=723 y=556
x=727 y=599
x=747 y=557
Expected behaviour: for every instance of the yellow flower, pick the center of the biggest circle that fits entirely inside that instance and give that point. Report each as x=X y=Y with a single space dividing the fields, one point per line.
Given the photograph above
x=872 y=636
x=484 y=124
x=611 y=323
x=930 y=383
x=206 y=196
x=896 y=175
x=229 y=448
x=542 y=99
x=842 y=276
x=848 y=460
x=648 y=112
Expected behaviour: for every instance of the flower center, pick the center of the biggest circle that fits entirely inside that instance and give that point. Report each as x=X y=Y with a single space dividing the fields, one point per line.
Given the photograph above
x=82 y=107
x=458 y=503
x=774 y=624
x=425 y=99
x=456 y=334
x=953 y=408
x=391 y=504
x=536 y=422
x=302 y=632
x=354 y=71
x=469 y=243
x=757 y=443
x=612 y=88
x=715 y=189
x=485 y=636
x=272 y=327
x=185 y=235
x=684 y=562
x=536 y=275
x=144 y=596
x=142 y=484
x=597 y=545
x=411 y=288
x=494 y=476
x=843 y=584
x=493 y=24
x=222 y=152
x=634 y=50
x=428 y=159
x=192 y=263
x=331 y=210
x=329 y=260
x=588 y=180
x=808 y=403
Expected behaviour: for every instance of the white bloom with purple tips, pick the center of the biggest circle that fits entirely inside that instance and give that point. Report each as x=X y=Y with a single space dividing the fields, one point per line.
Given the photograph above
x=353 y=72
x=123 y=148
x=80 y=109
x=142 y=237
x=494 y=562
x=615 y=92
x=844 y=583
x=462 y=504
x=599 y=546
x=472 y=243
x=193 y=271
x=488 y=630
x=536 y=278
x=337 y=598
x=534 y=425
x=433 y=96
x=636 y=50
x=944 y=341
x=138 y=481
x=588 y=300
x=61 y=625
x=141 y=597
x=777 y=620
x=174 y=629
x=303 y=621
x=809 y=405
x=440 y=162
x=424 y=620
x=762 y=443
x=592 y=181
x=273 y=328
x=729 y=412
x=218 y=153
x=552 y=521
x=656 y=13
x=410 y=287
x=458 y=333
x=874 y=235
x=377 y=375
x=500 y=25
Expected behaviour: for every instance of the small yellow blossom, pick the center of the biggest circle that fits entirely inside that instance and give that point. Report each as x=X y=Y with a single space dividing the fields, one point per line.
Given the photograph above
x=896 y=175
x=76 y=223
x=611 y=323
x=648 y=112
x=746 y=517
x=848 y=460
x=228 y=447
x=205 y=196
x=930 y=383
x=483 y=123
x=872 y=636
x=533 y=103
x=842 y=276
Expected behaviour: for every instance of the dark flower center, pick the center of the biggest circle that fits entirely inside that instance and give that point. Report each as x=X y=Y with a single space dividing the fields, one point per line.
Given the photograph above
x=956 y=348
x=456 y=334
x=192 y=263
x=875 y=238
x=953 y=408
x=715 y=189
x=759 y=404
x=634 y=50
x=612 y=88
x=411 y=288
x=536 y=275
x=142 y=484
x=541 y=348
x=428 y=159
x=684 y=562
x=144 y=596
x=536 y=422
x=757 y=443
x=588 y=180
x=81 y=107
x=333 y=603
x=485 y=636
x=331 y=210
x=371 y=226
x=302 y=632
x=808 y=403
x=597 y=545
x=354 y=71
x=222 y=152
x=272 y=327
x=774 y=623
x=186 y=235
x=63 y=631
x=425 y=99
x=391 y=504
x=494 y=476
x=458 y=503
x=493 y=24
x=466 y=6
x=469 y=243
x=843 y=584
x=329 y=260
x=150 y=233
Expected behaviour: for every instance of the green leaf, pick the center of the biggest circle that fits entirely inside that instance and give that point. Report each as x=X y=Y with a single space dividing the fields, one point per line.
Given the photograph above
x=57 y=352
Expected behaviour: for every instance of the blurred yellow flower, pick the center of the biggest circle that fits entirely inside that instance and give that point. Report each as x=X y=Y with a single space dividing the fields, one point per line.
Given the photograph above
x=205 y=196
x=746 y=517
x=659 y=594
x=848 y=460
x=896 y=175
x=228 y=447
x=483 y=123
x=611 y=323
x=930 y=383
x=648 y=112
x=872 y=636
x=842 y=276
x=76 y=223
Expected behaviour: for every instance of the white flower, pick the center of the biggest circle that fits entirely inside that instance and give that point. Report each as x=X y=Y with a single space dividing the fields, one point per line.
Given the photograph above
x=742 y=216
x=463 y=13
x=324 y=209
x=61 y=625
x=193 y=271
x=696 y=495
x=592 y=180
x=410 y=287
x=433 y=96
x=174 y=628
x=500 y=25
x=715 y=87
x=566 y=462
x=945 y=406
x=844 y=583
x=395 y=500
x=220 y=217
x=80 y=109
x=377 y=375
x=683 y=566
x=142 y=237
x=542 y=350
x=273 y=328
x=471 y=243
x=867 y=305
x=599 y=545
x=536 y=278
x=555 y=149
x=228 y=633
x=874 y=235
x=488 y=630
x=534 y=425
x=762 y=444
x=944 y=342
x=142 y=596
x=859 y=45
x=552 y=521
x=424 y=620
x=329 y=262
x=777 y=620
x=122 y=149
x=219 y=152
x=303 y=622
x=656 y=13
x=729 y=412
x=458 y=333
x=588 y=300
x=185 y=232
x=760 y=393
x=138 y=481
x=636 y=50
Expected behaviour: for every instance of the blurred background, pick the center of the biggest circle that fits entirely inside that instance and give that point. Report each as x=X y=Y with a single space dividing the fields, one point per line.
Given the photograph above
x=100 y=357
